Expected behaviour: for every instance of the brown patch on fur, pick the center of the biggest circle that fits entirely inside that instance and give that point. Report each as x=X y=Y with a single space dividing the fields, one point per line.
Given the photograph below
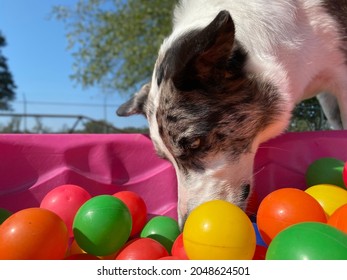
x=338 y=10
x=191 y=57
x=208 y=104
x=225 y=120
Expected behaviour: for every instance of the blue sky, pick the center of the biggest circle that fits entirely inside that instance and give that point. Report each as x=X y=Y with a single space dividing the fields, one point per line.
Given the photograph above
x=41 y=64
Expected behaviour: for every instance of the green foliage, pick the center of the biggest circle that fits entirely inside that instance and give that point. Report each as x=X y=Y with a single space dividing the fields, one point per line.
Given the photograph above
x=105 y=127
x=7 y=85
x=115 y=42
x=308 y=116
x=143 y=130
x=89 y=127
x=98 y=127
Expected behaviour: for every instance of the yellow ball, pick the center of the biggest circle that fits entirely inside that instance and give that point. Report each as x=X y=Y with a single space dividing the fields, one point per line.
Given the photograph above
x=330 y=197
x=219 y=230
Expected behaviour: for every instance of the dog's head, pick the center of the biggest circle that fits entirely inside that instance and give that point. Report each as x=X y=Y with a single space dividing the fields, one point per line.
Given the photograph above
x=207 y=113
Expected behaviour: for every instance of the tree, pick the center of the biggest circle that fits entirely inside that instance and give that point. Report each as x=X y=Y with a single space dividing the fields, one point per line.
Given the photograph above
x=39 y=127
x=308 y=115
x=13 y=126
x=99 y=127
x=115 y=42
x=105 y=127
x=7 y=85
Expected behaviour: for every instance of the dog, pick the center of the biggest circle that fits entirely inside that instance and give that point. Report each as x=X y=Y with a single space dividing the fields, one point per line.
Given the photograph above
x=227 y=79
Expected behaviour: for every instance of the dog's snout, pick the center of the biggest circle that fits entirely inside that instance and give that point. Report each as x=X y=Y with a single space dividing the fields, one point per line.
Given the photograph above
x=245 y=191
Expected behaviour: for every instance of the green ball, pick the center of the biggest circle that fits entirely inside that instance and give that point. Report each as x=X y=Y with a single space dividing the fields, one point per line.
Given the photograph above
x=102 y=225
x=325 y=170
x=308 y=241
x=4 y=214
x=162 y=229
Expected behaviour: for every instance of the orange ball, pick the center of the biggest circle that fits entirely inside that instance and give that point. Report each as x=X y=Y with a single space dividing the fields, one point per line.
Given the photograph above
x=285 y=207
x=339 y=218
x=33 y=233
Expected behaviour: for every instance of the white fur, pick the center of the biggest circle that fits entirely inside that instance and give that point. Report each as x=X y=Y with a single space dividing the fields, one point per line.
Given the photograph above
x=286 y=46
x=285 y=40
x=279 y=36
x=220 y=175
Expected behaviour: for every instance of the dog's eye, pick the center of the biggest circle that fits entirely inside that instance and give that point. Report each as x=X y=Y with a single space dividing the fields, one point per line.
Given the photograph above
x=190 y=143
x=195 y=144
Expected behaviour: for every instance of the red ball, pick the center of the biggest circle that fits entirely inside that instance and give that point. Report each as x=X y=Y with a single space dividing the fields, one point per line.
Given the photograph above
x=65 y=200
x=170 y=258
x=344 y=173
x=82 y=257
x=177 y=249
x=142 y=249
x=260 y=252
x=285 y=207
x=137 y=208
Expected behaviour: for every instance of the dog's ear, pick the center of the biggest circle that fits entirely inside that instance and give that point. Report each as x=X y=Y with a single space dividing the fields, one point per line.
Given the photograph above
x=135 y=105
x=206 y=51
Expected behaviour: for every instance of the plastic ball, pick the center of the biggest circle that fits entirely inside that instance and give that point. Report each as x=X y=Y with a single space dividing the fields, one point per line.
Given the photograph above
x=162 y=229
x=82 y=257
x=137 y=208
x=259 y=239
x=33 y=234
x=142 y=249
x=344 y=174
x=108 y=257
x=217 y=230
x=75 y=249
x=102 y=225
x=325 y=170
x=177 y=249
x=4 y=214
x=308 y=241
x=168 y=258
x=330 y=197
x=285 y=207
x=260 y=252
x=65 y=200
x=339 y=218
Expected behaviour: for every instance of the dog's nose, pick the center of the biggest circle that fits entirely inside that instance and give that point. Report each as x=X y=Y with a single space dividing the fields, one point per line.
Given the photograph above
x=245 y=191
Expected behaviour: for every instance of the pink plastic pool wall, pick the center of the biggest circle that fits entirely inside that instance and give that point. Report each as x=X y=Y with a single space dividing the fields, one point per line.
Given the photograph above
x=32 y=165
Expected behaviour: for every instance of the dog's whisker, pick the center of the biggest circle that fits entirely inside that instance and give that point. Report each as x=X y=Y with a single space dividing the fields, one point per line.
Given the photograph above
x=274 y=148
x=256 y=173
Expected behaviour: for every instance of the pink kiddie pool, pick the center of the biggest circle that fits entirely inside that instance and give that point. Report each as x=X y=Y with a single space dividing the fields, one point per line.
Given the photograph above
x=32 y=165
